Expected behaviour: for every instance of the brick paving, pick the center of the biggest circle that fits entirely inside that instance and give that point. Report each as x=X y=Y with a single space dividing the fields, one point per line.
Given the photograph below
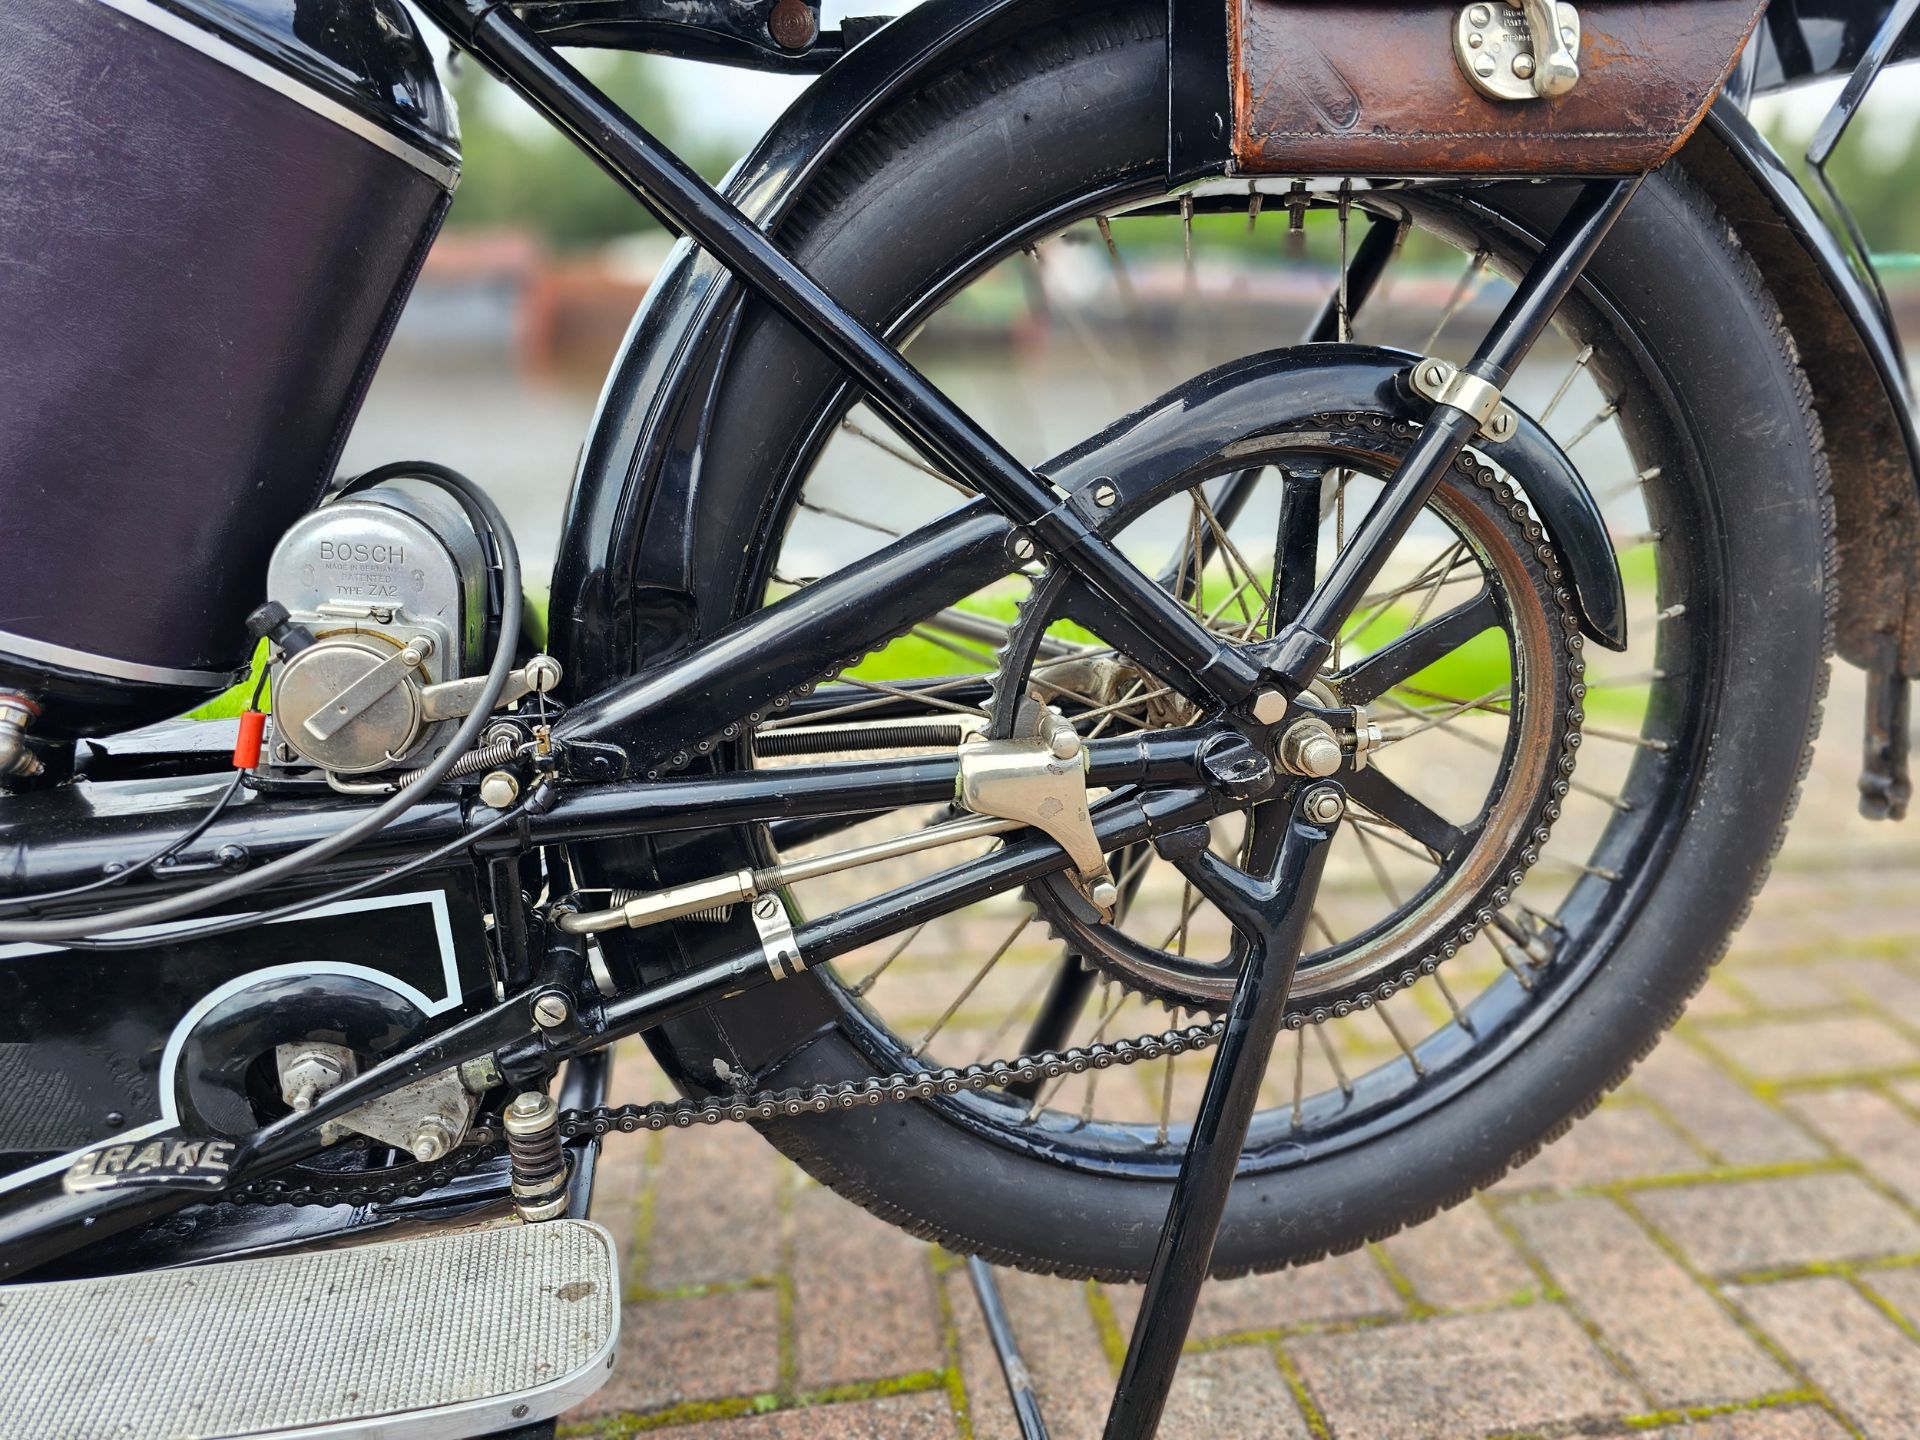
x=1729 y=1249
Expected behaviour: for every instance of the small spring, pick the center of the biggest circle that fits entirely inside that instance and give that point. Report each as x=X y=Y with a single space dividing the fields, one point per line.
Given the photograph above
x=470 y=763
x=930 y=735
x=535 y=1157
x=712 y=915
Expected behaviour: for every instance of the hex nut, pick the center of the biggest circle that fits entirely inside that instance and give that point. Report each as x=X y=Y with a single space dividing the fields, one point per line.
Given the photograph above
x=432 y=1139
x=1324 y=805
x=1270 y=707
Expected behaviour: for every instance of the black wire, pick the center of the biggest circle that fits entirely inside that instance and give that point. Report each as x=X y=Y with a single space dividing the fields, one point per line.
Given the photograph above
x=120 y=877
x=172 y=847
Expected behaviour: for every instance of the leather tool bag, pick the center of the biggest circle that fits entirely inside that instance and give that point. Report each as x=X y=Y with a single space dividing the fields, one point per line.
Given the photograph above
x=1368 y=87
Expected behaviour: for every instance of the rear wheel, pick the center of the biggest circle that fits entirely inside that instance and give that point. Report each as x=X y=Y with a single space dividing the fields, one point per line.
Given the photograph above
x=1470 y=993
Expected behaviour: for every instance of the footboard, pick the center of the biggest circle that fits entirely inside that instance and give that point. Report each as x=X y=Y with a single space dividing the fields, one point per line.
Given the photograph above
x=1402 y=89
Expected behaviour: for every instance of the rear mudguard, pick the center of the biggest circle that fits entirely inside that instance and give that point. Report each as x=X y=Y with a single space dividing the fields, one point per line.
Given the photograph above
x=1860 y=392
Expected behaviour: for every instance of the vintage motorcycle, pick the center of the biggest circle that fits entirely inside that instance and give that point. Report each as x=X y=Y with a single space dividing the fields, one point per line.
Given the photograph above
x=1467 y=676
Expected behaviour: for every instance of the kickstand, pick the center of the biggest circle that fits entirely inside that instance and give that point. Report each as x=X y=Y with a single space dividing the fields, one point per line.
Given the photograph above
x=1270 y=911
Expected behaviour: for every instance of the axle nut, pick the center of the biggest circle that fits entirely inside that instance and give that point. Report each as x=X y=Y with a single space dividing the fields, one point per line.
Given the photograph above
x=1310 y=748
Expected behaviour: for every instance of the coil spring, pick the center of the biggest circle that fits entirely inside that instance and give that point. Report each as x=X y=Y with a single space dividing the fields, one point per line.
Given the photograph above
x=474 y=761
x=930 y=735
x=713 y=915
x=536 y=1158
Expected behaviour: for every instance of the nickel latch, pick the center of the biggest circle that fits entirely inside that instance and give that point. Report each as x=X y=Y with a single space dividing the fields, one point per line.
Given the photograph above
x=1518 y=49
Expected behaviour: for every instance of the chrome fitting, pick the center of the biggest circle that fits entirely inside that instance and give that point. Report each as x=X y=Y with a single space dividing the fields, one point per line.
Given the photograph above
x=1439 y=381
x=17 y=713
x=1309 y=747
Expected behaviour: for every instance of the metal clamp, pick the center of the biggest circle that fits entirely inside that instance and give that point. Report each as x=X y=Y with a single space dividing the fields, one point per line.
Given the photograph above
x=777 y=941
x=1520 y=49
x=1445 y=384
x=1040 y=780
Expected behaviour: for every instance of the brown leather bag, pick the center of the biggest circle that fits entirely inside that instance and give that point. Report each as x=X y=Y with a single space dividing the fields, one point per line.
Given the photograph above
x=1362 y=87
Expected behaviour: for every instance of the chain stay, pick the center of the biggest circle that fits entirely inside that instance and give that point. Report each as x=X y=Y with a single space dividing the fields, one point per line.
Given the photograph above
x=820 y=1099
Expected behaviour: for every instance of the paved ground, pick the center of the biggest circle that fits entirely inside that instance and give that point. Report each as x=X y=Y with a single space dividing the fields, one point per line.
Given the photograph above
x=1730 y=1247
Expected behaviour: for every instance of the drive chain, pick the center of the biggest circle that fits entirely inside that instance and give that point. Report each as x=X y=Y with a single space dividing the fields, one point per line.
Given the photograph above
x=305 y=1187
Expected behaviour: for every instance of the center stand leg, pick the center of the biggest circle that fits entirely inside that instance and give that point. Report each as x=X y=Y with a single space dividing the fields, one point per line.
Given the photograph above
x=1271 y=912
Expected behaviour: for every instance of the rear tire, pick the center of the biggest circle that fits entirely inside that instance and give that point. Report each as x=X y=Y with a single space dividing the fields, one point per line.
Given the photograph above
x=965 y=169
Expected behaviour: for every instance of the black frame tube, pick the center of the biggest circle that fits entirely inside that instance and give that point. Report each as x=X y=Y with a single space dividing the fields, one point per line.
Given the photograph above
x=1299 y=653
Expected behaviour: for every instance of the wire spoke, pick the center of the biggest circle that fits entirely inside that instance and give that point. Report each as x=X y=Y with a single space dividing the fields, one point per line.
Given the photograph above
x=973 y=984
x=1573 y=372
x=832 y=514
x=1459 y=297
x=903 y=455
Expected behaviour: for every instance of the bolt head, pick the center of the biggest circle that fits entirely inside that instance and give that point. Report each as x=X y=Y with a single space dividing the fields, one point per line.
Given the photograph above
x=1270 y=707
x=551 y=1010
x=1105 y=494
x=543 y=673
x=1022 y=547
x=1324 y=805
x=1104 y=893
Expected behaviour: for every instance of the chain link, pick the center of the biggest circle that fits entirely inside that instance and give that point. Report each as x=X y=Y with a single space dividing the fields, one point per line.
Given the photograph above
x=824 y=1099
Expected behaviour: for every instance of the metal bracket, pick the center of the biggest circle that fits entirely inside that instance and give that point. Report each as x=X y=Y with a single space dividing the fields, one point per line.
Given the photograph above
x=777 y=940
x=1520 y=49
x=1040 y=780
x=1445 y=384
